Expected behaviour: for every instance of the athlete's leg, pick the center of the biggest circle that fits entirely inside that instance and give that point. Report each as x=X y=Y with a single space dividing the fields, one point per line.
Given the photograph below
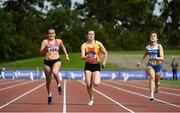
x=55 y=71
x=150 y=71
x=88 y=80
x=96 y=78
x=47 y=71
x=157 y=81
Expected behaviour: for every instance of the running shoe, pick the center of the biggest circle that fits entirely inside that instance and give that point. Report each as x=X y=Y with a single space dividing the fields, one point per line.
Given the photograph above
x=151 y=97
x=91 y=102
x=60 y=90
x=157 y=89
x=49 y=100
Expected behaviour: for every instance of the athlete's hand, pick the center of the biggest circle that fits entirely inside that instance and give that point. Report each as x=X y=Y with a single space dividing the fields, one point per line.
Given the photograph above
x=138 y=64
x=86 y=57
x=103 y=65
x=67 y=58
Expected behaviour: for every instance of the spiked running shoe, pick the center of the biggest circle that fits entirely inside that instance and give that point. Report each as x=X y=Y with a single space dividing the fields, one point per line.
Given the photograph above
x=60 y=90
x=91 y=102
x=49 y=100
x=151 y=97
x=157 y=89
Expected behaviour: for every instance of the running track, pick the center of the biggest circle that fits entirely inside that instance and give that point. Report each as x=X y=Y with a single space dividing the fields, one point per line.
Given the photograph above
x=111 y=96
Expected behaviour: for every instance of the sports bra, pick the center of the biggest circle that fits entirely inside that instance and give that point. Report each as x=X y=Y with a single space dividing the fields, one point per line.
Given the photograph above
x=53 y=47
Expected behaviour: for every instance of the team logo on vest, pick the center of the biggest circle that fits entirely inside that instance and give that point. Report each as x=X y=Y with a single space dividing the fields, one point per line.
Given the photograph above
x=91 y=55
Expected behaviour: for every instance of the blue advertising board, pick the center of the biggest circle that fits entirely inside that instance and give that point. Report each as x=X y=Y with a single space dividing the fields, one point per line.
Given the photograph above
x=65 y=74
x=110 y=75
x=75 y=74
x=169 y=75
x=133 y=74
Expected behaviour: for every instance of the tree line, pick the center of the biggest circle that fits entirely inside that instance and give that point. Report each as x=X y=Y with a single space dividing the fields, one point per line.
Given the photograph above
x=118 y=24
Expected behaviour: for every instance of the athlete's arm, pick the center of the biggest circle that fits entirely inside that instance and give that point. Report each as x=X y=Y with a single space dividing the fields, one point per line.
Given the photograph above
x=43 y=48
x=104 y=51
x=64 y=49
x=142 y=59
x=83 y=56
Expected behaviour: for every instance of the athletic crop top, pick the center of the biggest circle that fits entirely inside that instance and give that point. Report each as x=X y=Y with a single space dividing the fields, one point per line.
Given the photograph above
x=153 y=52
x=53 y=47
x=92 y=52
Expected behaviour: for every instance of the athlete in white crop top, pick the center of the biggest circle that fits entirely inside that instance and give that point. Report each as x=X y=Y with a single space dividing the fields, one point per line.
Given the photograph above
x=154 y=67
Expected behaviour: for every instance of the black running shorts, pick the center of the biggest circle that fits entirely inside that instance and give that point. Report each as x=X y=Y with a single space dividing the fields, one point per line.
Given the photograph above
x=50 y=63
x=92 y=66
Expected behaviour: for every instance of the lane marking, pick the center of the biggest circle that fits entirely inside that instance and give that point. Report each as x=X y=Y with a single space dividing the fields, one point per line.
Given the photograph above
x=21 y=96
x=91 y=112
x=139 y=87
x=162 y=86
x=64 y=99
x=140 y=95
x=9 y=81
x=16 y=85
x=169 y=88
x=110 y=99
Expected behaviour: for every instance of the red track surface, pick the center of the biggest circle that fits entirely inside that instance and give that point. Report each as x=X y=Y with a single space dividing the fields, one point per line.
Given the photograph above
x=110 y=96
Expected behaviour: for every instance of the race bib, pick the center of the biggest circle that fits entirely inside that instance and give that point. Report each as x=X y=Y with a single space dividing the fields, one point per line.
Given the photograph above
x=91 y=55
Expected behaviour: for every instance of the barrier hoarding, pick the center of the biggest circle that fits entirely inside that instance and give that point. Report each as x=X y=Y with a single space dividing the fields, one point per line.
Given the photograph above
x=65 y=74
x=133 y=74
x=110 y=75
x=75 y=74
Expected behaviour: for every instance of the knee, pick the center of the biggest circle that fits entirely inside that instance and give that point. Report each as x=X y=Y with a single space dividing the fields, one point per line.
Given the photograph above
x=55 y=73
x=152 y=78
x=96 y=84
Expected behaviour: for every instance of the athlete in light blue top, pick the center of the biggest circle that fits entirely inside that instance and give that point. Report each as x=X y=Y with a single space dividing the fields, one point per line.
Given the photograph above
x=154 y=67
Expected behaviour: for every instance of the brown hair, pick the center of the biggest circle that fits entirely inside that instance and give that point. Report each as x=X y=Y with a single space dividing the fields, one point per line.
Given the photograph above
x=51 y=28
x=154 y=33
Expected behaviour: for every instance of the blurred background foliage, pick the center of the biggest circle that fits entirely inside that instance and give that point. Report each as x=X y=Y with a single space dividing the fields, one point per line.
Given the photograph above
x=119 y=24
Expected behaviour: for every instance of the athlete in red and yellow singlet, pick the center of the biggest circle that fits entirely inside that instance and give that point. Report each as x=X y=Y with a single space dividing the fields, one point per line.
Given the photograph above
x=90 y=52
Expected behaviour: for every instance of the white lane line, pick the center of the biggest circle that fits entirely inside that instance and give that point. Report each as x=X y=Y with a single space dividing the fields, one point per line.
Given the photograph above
x=64 y=99
x=140 y=94
x=16 y=85
x=21 y=96
x=89 y=112
x=162 y=86
x=110 y=99
x=145 y=88
x=9 y=81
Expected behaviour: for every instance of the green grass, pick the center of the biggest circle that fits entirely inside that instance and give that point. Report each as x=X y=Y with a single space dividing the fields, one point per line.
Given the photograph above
x=31 y=63
x=172 y=52
x=74 y=63
x=171 y=82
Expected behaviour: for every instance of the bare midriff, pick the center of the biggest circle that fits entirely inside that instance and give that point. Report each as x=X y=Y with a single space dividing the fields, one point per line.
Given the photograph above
x=51 y=55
